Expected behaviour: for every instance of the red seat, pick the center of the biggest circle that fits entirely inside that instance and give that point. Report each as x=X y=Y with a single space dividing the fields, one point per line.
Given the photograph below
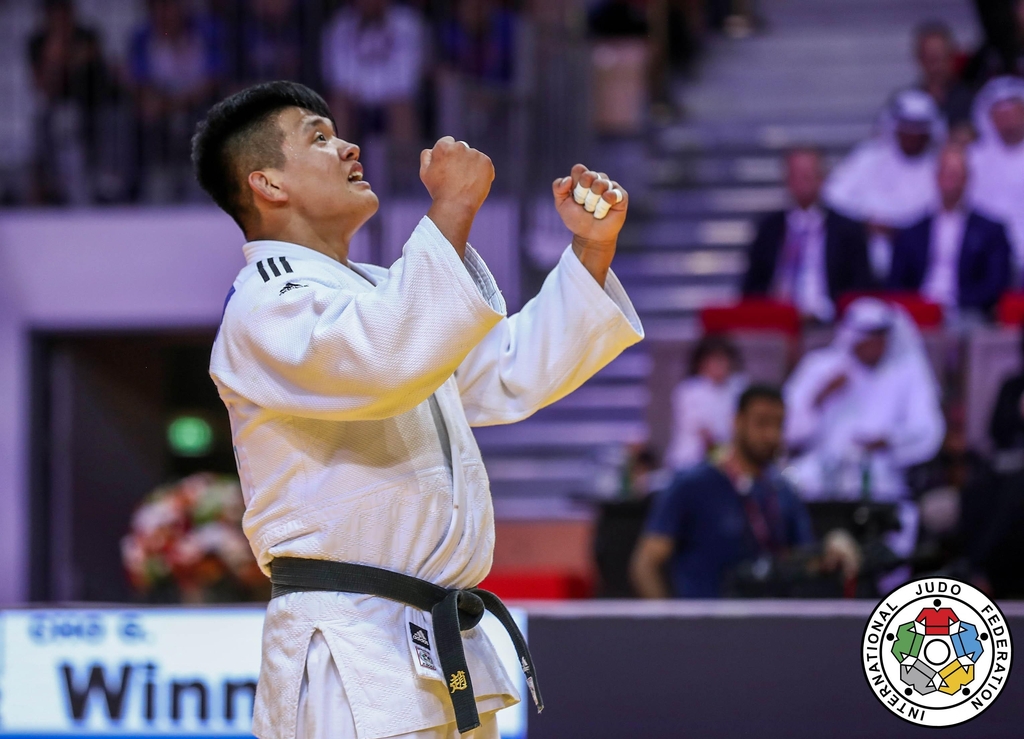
x=924 y=313
x=538 y=585
x=1010 y=311
x=752 y=315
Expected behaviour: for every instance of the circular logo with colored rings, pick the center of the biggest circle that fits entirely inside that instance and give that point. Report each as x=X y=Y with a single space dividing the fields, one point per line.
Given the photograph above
x=937 y=652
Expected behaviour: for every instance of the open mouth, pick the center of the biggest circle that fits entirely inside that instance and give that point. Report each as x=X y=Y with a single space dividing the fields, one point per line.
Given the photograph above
x=355 y=177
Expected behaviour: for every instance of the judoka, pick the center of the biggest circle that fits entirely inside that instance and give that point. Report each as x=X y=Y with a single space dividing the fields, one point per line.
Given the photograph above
x=351 y=390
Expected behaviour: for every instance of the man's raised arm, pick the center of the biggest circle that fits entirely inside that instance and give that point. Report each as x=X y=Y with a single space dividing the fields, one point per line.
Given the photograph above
x=458 y=179
x=579 y=322
x=324 y=350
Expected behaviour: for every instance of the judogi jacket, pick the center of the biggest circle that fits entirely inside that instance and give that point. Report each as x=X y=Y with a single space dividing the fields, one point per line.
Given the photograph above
x=351 y=391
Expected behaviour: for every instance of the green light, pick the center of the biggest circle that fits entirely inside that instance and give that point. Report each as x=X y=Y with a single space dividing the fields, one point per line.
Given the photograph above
x=190 y=436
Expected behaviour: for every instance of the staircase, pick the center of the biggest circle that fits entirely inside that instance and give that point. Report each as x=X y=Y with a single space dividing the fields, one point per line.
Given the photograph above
x=816 y=75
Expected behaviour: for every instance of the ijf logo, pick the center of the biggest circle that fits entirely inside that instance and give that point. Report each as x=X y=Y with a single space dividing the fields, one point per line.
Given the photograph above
x=937 y=652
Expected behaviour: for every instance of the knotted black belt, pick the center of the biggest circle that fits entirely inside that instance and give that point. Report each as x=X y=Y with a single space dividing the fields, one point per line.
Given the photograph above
x=453 y=611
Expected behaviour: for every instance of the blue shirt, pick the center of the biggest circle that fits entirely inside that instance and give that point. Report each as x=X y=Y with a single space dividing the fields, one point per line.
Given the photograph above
x=713 y=525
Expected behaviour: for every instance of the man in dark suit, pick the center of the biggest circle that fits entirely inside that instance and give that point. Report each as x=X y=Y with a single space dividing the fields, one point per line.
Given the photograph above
x=808 y=255
x=955 y=256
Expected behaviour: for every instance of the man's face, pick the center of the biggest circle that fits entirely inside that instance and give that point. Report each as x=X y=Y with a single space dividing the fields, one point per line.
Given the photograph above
x=870 y=350
x=935 y=56
x=322 y=174
x=1008 y=119
x=757 y=431
x=716 y=366
x=804 y=177
x=913 y=141
x=952 y=177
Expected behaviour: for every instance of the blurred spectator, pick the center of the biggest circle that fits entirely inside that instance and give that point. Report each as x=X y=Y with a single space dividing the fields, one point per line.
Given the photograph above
x=955 y=256
x=72 y=85
x=936 y=51
x=1007 y=425
x=268 y=42
x=889 y=180
x=956 y=494
x=176 y=66
x=620 y=522
x=862 y=411
x=703 y=405
x=1003 y=49
x=372 y=66
x=808 y=255
x=997 y=159
x=715 y=517
x=480 y=83
x=479 y=41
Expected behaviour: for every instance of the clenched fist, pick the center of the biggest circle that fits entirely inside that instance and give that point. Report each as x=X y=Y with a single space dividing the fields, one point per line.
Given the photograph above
x=594 y=239
x=454 y=173
x=577 y=219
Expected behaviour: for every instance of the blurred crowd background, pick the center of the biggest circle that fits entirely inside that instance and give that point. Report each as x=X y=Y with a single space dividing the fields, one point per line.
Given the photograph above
x=826 y=246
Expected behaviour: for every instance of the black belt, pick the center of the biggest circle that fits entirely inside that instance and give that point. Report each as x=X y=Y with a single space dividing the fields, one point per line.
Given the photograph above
x=453 y=611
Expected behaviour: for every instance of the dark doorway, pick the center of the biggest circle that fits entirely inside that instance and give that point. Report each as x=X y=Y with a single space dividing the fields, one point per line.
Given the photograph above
x=101 y=408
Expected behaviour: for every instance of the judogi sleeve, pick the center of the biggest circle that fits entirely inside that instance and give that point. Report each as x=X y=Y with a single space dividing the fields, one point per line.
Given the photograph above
x=326 y=352
x=560 y=338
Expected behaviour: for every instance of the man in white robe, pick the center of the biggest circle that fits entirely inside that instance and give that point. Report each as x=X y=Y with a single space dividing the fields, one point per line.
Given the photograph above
x=863 y=410
x=888 y=181
x=997 y=157
x=351 y=390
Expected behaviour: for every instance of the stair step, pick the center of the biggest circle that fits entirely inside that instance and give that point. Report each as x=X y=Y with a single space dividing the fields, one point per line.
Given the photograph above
x=552 y=435
x=695 y=264
x=745 y=136
x=718 y=200
x=677 y=233
x=594 y=395
x=689 y=298
x=633 y=364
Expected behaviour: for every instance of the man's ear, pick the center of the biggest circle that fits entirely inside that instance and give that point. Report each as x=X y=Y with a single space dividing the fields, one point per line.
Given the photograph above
x=266 y=185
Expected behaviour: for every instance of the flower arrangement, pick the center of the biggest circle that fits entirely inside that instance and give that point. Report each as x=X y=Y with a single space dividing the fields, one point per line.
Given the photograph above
x=186 y=544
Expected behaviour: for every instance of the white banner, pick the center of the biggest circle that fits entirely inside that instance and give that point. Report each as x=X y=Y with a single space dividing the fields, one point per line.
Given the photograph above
x=151 y=671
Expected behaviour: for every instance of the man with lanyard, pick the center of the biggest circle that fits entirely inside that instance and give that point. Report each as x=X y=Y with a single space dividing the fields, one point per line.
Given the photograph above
x=719 y=515
x=351 y=390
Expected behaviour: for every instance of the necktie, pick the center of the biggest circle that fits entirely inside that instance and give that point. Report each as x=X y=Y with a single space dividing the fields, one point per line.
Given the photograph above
x=792 y=262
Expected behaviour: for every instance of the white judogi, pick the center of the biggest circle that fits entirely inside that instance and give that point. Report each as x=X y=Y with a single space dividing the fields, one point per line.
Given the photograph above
x=340 y=395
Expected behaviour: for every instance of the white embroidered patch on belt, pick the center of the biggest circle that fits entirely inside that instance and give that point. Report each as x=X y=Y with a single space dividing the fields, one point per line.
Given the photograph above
x=421 y=645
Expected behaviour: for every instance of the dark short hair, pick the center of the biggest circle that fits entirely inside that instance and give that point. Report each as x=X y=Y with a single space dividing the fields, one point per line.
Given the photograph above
x=712 y=344
x=240 y=135
x=758 y=392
